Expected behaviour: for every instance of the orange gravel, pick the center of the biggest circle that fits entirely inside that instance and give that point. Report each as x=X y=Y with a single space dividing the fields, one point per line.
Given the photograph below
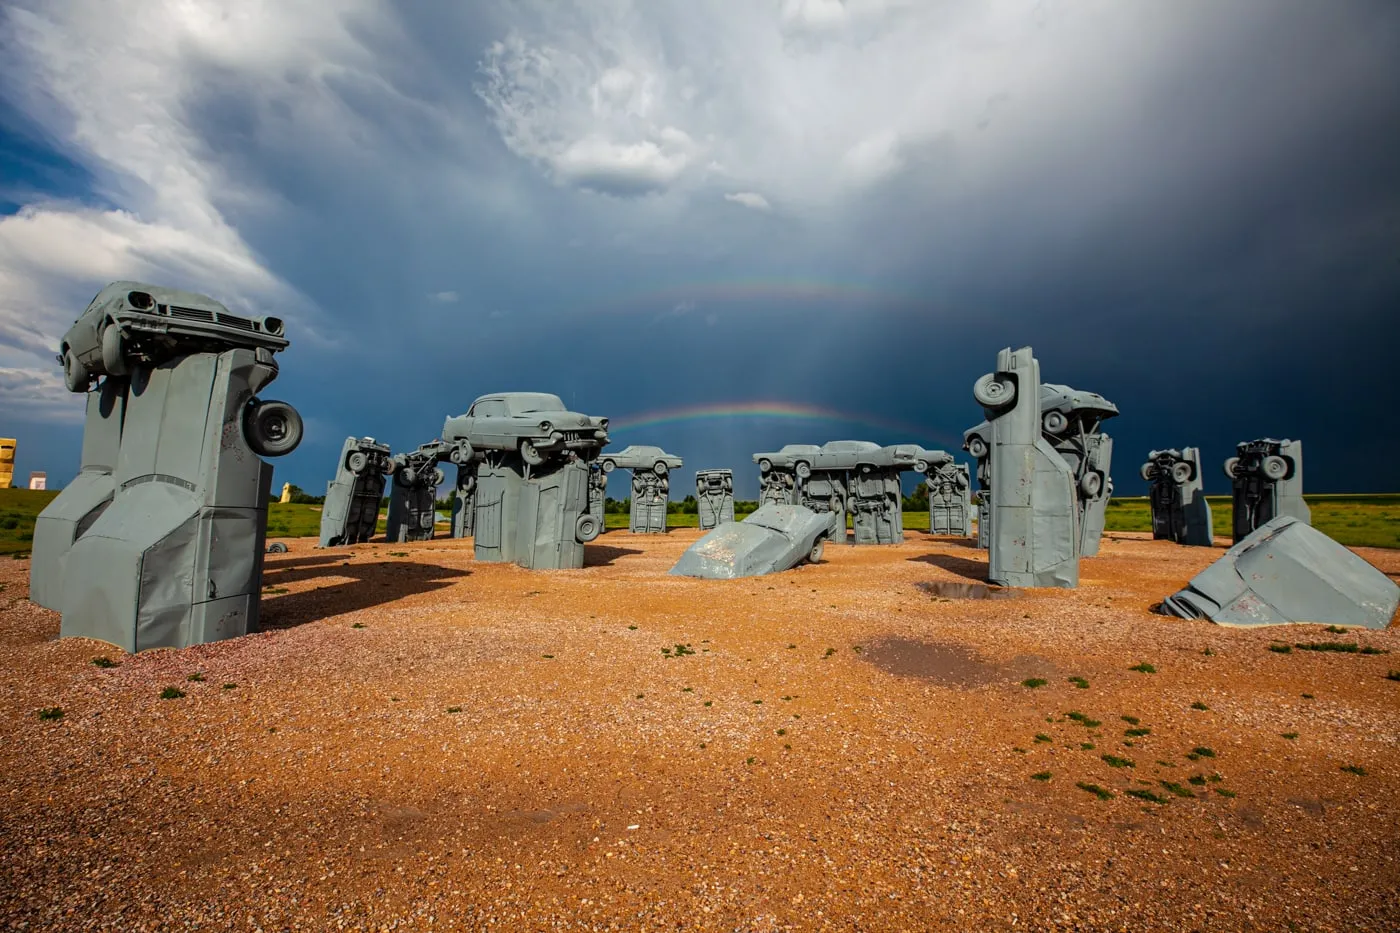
x=424 y=742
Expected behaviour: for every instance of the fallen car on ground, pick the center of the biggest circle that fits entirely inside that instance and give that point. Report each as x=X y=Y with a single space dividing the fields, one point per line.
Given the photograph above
x=776 y=537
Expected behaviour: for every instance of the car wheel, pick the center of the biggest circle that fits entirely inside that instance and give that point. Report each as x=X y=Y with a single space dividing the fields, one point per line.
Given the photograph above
x=765 y=465
x=977 y=447
x=609 y=466
x=920 y=466
x=1148 y=471
x=815 y=555
x=1275 y=467
x=277 y=547
x=1054 y=422
x=803 y=470
x=586 y=528
x=114 y=350
x=1181 y=471
x=357 y=461
x=1231 y=466
x=271 y=428
x=530 y=454
x=1092 y=484
x=996 y=394
x=660 y=468
x=461 y=454
x=438 y=477
x=75 y=374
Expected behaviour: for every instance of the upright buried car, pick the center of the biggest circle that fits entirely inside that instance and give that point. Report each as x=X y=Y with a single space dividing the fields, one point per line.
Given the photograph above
x=129 y=324
x=776 y=537
x=534 y=423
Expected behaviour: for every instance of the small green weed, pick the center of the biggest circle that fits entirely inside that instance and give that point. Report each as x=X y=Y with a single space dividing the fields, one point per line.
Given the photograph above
x=405 y=554
x=1392 y=675
x=171 y=693
x=1083 y=720
x=1204 y=751
x=1198 y=779
x=1208 y=653
x=1137 y=733
x=1034 y=682
x=230 y=686
x=1079 y=682
x=640 y=695
x=1307 y=696
x=1019 y=750
x=1143 y=668
x=1113 y=761
x=757 y=702
x=549 y=657
x=1281 y=649
x=790 y=647
x=631 y=628
x=454 y=709
x=829 y=652
x=1131 y=720
x=782 y=732
x=1147 y=795
x=275 y=590
x=50 y=713
x=1086 y=746
x=1042 y=737
x=196 y=678
x=1096 y=790
x=750 y=760
x=1041 y=776
x=357 y=625
x=1344 y=647
x=1199 y=705
x=1335 y=630
x=687 y=690
x=103 y=662
x=709 y=702
x=1175 y=789
x=1226 y=793
x=1372 y=649
x=1288 y=735
x=1354 y=769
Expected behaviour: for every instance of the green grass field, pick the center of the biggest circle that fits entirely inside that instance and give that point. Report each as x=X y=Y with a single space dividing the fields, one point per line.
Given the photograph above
x=1354 y=520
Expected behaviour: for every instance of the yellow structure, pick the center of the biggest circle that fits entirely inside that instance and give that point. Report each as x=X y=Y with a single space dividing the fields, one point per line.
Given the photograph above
x=7 y=462
x=286 y=493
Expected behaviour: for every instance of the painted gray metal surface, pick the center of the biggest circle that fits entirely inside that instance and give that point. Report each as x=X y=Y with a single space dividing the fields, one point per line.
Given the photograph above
x=714 y=494
x=1287 y=571
x=1180 y=511
x=464 y=505
x=977 y=442
x=779 y=472
x=597 y=494
x=1072 y=420
x=651 y=484
x=176 y=559
x=984 y=519
x=350 y=512
x=533 y=489
x=1035 y=511
x=413 y=494
x=949 y=497
x=1266 y=478
x=82 y=501
x=774 y=538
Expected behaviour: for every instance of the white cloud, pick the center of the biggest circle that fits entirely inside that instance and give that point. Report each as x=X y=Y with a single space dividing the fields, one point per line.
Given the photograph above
x=749 y=199
x=443 y=298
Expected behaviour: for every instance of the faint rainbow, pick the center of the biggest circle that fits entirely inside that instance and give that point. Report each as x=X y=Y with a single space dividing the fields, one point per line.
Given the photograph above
x=787 y=411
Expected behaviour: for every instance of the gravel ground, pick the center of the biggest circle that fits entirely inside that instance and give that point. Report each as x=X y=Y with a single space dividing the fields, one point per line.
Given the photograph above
x=418 y=741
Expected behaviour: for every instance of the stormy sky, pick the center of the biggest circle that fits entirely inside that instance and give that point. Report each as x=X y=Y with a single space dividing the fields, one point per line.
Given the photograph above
x=1191 y=207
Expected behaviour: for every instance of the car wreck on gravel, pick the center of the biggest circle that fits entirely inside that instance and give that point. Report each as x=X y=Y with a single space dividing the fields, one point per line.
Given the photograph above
x=775 y=538
x=1286 y=572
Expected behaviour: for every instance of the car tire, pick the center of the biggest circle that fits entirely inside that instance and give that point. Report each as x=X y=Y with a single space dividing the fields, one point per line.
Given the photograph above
x=993 y=393
x=277 y=547
x=920 y=466
x=660 y=468
x=461 y=454
x=438 y=477
x=1182 y=470
x=530 y=453
x=272 y=428
x=814 y=556
x=1275 y=467
x=75 y=375
x=1091 y=484
x=765 y=465
x=977 y=447
x=1231 y=465
x=1053 y=422
x=803 y=469
x=356 y=461
x=587 y=528
x=114 y=351
x=1148 y=471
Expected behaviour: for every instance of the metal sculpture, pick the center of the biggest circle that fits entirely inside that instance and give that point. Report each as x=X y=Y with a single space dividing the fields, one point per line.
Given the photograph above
x=977 y=442
x=598 y=495
x=1072 y=420
x=533 y=486
x=714 y=496
x=651 y=484
x=780 y=471
x=464 y=503
x=176 y=557
x=413 y=494
x=1266 y=477
x=1180 y=511
x=1286 y=571
x=350 y=512
x=774 y=538
x=1034 y=534
x=949 y=497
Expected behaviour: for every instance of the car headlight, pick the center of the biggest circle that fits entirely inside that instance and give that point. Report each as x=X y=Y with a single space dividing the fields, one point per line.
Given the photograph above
x=546 y=427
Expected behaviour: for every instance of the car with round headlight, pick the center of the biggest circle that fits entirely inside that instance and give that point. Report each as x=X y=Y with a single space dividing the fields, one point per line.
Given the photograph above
x=534 y=424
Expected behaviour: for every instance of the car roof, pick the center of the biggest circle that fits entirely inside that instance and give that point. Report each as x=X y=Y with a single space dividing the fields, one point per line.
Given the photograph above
x=850 y=445
x=162 y=295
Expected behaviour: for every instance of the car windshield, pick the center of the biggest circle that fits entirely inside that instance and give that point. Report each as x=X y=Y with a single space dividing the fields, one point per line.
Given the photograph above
x=530 y=402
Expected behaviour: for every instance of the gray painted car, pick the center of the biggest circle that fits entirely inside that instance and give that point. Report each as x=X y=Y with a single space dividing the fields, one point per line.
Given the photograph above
x=775 y=538
x=535 y=423
x=131 y=323
x=640 y=457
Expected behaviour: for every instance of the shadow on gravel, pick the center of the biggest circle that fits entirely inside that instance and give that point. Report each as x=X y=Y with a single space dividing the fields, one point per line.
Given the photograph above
x=372 y=584
x=946 y=589
x=948 y=664
x=602 y=555
x=970 y=569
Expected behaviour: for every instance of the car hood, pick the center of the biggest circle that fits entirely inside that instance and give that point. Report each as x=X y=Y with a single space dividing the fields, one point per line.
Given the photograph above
x=774 y=538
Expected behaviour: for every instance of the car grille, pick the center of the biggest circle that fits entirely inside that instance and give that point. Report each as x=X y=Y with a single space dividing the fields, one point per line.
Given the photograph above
x=191 y=314
x=242 y=323
x=200 y=314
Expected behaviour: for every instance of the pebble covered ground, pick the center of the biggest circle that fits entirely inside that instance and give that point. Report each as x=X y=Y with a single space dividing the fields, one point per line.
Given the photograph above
x=418 y=741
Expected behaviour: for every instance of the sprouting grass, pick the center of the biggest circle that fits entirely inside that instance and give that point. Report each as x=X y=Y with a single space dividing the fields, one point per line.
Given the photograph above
x=103 y=662
x=1288 y=735
x=1177 y=790
x=1042 y=737
x=1147 y=795
x=1354 y=769
x=1198 y=779
x=709 y=702
x=1096 y=790
x=1143 y=668
x=1199 y=705
x=1345 y=647
x=1079 y=682
x=196 y=678
x=357 y=625
x=1392 y=675
x=454 y=709
x=1083 y=720
x=1086 y=746
x=171 y=693
x=549 y=657
x=1113 y=761
x=1034 y=682
x=1372 y=649
x=1335 y=630
x=782 y=732
x=829 y=652
x=1203 y=751
x=1041 y=776
x=50 y=713
x=230 y=686
x=1130 y=720
x=631 y=628
x=1226 y=793
x=1281 y=649
x=1137 y=733
x=405 y=554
